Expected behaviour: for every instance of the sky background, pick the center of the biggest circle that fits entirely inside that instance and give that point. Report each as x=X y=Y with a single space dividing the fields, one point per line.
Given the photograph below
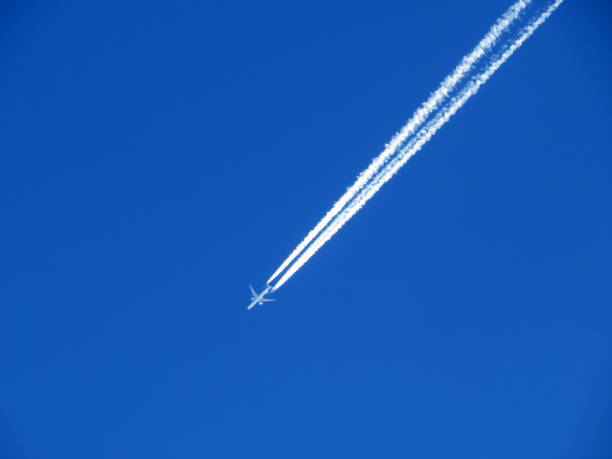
x=159 y=156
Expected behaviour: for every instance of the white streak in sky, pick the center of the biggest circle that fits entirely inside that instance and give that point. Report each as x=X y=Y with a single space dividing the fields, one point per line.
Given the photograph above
x=434 y=101
x=421 y=138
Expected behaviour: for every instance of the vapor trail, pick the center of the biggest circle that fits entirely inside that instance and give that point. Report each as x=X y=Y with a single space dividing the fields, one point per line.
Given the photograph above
x=431 y=104
x=420 y=139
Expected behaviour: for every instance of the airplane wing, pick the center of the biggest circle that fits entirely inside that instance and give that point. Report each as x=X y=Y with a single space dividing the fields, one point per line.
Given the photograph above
x=265 y=300
x=252 y=291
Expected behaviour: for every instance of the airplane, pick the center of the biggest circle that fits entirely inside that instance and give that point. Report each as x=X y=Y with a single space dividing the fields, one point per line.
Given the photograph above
x=259 y=298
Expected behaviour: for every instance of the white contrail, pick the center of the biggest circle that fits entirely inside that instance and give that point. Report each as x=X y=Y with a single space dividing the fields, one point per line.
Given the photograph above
x=414 y=146
x=431 y=104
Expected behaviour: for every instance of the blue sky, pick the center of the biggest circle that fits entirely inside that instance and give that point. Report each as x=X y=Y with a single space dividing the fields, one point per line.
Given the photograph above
x=159 y=156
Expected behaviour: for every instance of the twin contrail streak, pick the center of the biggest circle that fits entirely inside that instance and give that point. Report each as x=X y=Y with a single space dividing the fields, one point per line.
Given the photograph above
x=443 y=107
x=434 y=101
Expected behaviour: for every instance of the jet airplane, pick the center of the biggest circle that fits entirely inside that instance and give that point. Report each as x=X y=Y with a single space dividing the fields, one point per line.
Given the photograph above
x=259 y=298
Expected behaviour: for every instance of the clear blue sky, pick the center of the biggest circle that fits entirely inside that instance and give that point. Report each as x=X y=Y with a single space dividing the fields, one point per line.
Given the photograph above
x=159 y=156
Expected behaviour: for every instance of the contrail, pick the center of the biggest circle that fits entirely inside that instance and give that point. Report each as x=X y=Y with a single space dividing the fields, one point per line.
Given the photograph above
x=420 y=139
x=431 y=104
